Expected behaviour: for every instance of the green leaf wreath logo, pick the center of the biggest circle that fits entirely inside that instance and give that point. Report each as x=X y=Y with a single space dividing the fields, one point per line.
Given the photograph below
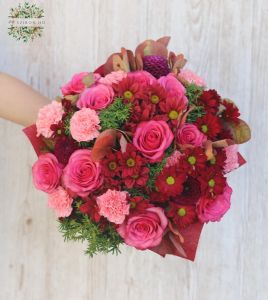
x=26 y=22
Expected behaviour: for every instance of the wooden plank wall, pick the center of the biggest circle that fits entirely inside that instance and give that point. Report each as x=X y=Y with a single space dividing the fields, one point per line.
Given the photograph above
x=225 y=41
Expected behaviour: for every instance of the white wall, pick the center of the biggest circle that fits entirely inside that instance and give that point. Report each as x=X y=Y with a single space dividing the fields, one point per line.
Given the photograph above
x=227 y=43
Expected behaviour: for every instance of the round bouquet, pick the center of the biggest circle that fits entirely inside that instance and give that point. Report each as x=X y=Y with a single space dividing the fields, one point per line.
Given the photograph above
x=137 y=152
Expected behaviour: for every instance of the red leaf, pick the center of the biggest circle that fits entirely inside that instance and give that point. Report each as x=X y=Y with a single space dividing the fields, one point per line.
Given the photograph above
x=37 y=142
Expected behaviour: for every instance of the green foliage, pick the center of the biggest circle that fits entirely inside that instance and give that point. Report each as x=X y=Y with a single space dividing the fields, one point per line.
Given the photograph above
x=193 y=92
x=155 y=169
x=136 y=192
x=115 y=115
x=83 y=229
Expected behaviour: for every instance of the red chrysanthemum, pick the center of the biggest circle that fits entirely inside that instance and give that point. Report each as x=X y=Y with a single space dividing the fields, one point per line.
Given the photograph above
x=231 y=112
x=212 y=182
x=139 y=203
x=210 y=125
x=156 y=93
x=193 y=160
x=182 y=215
x=110 y=165
x=170 y=181
x=218 y=161
x=64 y=148
x=130 y=161
x=137 y=180
x=210 y=100
x=91 y=209
x=172 y=108
x=191 y=192
x=130 y=89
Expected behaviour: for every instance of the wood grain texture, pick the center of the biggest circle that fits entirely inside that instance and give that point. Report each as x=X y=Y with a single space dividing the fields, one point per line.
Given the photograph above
x=226 y=42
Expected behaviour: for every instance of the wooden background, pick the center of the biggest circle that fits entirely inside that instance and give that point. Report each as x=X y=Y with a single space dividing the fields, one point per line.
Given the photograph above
x=227 y=43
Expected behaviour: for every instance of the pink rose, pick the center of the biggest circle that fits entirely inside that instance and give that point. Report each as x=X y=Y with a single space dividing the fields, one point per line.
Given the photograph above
x=84 y=125
x=61 y=202
x=76 y=84
x=174 y=89
x=96 y=97
x=145 y=229
x=189 y=77
x=82 y=175
x=142 y=77
x=48 y=115
x=190 y=134
x=46 y=173
x=214 y=209
x=152 y=138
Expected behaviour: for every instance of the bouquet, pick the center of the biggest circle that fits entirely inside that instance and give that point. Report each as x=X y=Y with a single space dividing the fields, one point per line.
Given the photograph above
x=137 y=152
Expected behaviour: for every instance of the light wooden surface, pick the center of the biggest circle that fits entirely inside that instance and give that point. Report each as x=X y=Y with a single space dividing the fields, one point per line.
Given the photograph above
x=226 y=42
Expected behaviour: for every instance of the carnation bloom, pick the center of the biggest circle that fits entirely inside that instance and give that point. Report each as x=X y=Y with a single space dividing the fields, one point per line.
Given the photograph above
x=84 y=125
x=113 y=77
x=182 y=215
x=190 y=77
x=173 y=159
x=75 y=85
x=210 y=100
x=213 y=209
x=113 y=205
x=209 y=125
x=231 y=162
x=46 y=173
x=82 y=175
x=190 y=134
x=61 y=202
x=170 y=181
x=48 y=115
x=97 y=97
x=144 y=229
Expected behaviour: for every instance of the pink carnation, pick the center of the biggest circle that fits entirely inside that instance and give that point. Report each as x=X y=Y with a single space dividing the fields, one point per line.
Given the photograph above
x=75 y=85
x=48 y=115
x=231 y=162
x=174 y=89
x=113 y=78
x=84 y=125
x=96 y=97
x=46 y=173
x=190 y=77
x=214 y=209
x=61 y=202
x=190 y=134
x=173 y=159
x=114 y=206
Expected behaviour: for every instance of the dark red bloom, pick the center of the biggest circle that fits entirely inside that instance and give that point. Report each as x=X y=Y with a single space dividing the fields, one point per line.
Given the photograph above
x=212 y=182
x=130 y=89
x=193 y=160
x=137 y=180
x=130 y=161
x=170 y=181
x=219 y=159
x=110 y=165
x=231 y=112
x=210 y=100
x=172 y=108
x=64 y=148
x=156 y=93
x=182 y=215
x=210 y=125
x=191 y=192
x=91 y=209
x=139 y=203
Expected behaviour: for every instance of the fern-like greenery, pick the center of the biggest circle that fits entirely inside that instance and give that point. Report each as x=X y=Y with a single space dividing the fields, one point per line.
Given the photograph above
x=193 y=92
x=83 y=229
x=115 y=115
